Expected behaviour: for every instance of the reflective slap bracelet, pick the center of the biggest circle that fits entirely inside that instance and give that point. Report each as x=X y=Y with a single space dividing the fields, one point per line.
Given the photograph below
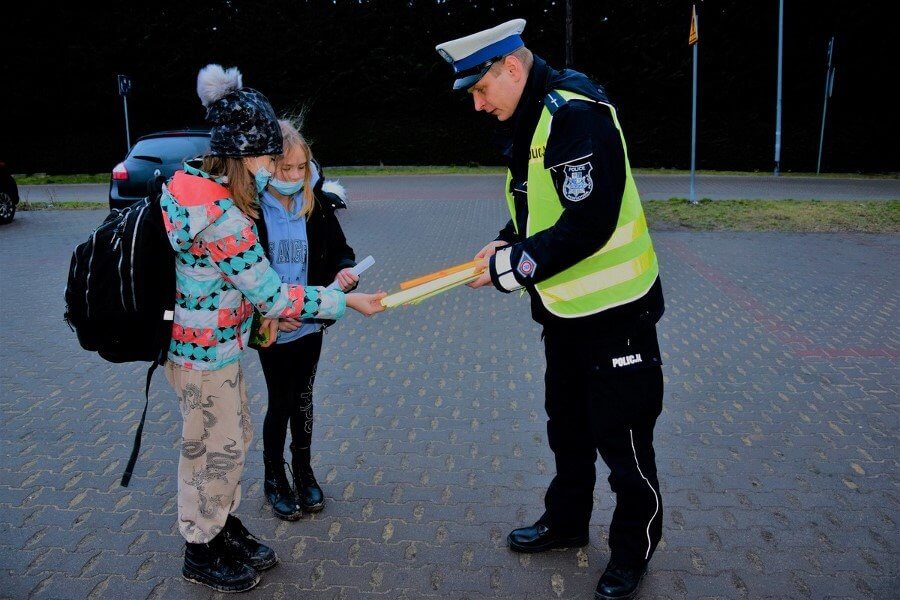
x=357 y=270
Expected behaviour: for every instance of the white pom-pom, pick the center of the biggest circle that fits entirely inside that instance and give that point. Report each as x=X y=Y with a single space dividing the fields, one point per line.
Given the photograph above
x=213 y=82
x=333 y=187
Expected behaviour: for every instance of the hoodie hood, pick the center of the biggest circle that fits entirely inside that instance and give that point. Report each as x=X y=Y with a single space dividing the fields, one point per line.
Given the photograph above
x=190 y=204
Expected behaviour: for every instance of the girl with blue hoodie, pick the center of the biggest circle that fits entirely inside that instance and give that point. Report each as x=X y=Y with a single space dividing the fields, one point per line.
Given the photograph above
x=222 y=277
x=305 y=244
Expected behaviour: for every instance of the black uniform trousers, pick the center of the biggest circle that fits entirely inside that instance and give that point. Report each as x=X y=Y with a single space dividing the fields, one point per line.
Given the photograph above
x=593 y=406
x=290 y=372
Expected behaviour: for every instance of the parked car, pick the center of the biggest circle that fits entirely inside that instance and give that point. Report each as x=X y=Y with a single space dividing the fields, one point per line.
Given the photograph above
x=152 y=156
x=9 y=195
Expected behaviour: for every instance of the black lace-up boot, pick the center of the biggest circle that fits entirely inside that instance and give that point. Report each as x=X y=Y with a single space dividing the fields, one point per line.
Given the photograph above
x=619 y=582
x=308 y=491
x=243 y=546
x=213 y=566
x=278 y=490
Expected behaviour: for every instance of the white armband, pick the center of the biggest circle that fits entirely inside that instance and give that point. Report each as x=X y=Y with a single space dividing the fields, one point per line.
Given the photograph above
x=503 y=266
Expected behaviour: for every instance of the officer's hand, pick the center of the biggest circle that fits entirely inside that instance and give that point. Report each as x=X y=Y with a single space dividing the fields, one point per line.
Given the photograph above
x=483 y=264
x=489 y=250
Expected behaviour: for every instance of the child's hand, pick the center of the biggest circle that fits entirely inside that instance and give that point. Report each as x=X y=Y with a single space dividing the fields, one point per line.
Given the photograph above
x=270 y=327
x=288 y=325
x=347 y=279
x=367 y=304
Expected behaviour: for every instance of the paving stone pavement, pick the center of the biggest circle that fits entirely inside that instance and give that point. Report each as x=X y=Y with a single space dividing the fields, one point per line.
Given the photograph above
x=653 y=186
x=776 y=447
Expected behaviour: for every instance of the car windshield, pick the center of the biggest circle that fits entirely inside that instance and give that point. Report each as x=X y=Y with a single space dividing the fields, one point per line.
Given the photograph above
x=171 y=149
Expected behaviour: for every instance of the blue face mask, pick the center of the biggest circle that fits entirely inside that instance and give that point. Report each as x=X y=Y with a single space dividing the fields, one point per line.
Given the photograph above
x=262 y=178
x=286 y=188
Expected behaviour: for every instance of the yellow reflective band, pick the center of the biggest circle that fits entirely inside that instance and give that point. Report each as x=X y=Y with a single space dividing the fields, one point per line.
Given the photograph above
x=601 y=280
x=624 y=234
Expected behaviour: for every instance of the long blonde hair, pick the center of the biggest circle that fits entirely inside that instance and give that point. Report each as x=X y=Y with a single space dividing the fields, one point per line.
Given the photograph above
x=294 y=139
x=240 y=182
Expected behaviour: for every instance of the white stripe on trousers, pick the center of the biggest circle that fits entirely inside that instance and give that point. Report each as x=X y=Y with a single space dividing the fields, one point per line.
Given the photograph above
x=655 y=497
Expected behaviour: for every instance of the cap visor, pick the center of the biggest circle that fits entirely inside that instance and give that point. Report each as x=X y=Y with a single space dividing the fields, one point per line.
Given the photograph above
x=464 y=83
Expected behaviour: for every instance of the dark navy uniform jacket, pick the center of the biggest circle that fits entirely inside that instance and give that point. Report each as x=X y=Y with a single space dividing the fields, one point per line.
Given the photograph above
x=581 y=131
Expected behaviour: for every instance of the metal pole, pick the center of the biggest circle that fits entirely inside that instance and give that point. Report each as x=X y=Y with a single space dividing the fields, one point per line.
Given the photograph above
x=127 y=130
x=829 y=82
x=570 y=20
x=778 y=99
x=693 y=197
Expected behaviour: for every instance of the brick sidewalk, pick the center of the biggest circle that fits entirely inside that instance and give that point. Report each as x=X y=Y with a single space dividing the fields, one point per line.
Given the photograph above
x=776 y=447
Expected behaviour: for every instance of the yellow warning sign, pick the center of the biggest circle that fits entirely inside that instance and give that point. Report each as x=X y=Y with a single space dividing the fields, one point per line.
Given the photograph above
x=694 y=35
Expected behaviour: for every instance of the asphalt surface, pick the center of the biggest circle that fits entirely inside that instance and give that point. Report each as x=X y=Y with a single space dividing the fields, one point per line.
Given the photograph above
x=487 y=187
x=777 y=446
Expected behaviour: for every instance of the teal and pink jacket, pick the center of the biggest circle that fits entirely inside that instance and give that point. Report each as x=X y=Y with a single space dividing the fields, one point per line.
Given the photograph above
x=222 y=276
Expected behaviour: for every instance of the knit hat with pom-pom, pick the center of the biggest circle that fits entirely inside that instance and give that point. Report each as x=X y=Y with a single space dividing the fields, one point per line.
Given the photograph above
x=243 y=122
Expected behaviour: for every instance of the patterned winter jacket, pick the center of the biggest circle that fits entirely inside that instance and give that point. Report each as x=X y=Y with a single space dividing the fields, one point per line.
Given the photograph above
x=222 y=274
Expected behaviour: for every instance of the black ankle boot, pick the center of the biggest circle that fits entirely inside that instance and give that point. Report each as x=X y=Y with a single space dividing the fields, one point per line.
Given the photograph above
x=308 y=491
x=211 y=565
x=619 y=582
x=242 y=546
x=278 y=491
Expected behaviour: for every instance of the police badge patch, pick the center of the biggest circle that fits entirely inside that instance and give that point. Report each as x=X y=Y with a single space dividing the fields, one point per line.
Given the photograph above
x=526 y=265
x=578 y=184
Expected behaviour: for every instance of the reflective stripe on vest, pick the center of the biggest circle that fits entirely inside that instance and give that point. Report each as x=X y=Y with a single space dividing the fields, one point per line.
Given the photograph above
x=623 y=270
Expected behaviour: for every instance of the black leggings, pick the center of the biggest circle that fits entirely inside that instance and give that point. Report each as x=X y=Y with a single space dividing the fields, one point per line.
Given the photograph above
x=290 y=371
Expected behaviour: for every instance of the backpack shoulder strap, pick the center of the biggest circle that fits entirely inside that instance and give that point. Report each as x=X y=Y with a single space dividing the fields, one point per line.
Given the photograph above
x=136 y=447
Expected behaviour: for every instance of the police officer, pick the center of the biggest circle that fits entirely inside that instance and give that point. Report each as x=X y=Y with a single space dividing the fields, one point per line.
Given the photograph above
x=577 y=241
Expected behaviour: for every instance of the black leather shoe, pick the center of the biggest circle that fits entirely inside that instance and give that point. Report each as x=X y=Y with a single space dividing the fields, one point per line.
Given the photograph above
x=309 y=494
x=212 y=566
x=619 y=582
x=540 y=537
x=278 y=491
x=242 y=546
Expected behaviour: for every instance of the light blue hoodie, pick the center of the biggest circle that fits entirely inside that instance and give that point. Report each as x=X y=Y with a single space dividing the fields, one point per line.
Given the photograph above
x=289 y=248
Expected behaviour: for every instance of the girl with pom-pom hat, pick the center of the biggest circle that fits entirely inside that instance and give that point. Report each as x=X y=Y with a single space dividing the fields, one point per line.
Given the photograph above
x=222 y=277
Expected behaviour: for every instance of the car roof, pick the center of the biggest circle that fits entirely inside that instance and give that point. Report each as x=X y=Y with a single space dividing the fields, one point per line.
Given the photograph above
x=176 y=133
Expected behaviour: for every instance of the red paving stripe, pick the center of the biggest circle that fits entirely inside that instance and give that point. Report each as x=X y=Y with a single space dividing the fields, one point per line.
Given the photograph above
x=802 y=346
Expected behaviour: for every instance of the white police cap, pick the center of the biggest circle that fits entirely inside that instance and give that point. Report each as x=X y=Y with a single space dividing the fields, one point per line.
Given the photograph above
x=473 y=55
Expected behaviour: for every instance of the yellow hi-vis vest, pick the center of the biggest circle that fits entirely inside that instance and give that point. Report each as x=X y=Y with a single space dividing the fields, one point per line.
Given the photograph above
x=623 y=270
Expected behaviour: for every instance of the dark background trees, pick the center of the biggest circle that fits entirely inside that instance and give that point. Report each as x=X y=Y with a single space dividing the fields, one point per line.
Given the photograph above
x=374 y=91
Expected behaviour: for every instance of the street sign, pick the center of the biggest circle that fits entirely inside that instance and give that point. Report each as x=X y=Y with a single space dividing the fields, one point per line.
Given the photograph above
x=124 y=90
x=124 y=85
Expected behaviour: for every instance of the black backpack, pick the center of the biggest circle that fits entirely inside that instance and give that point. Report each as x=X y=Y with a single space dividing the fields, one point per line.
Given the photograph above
x=120 y=294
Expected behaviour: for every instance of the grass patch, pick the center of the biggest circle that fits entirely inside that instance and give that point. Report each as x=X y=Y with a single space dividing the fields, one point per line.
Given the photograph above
x=870 y=216
x=414 y=170
x=67 y=205
x=44 y=179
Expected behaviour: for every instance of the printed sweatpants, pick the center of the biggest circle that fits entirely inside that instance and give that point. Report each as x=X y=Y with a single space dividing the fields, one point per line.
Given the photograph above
x=215 y=435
